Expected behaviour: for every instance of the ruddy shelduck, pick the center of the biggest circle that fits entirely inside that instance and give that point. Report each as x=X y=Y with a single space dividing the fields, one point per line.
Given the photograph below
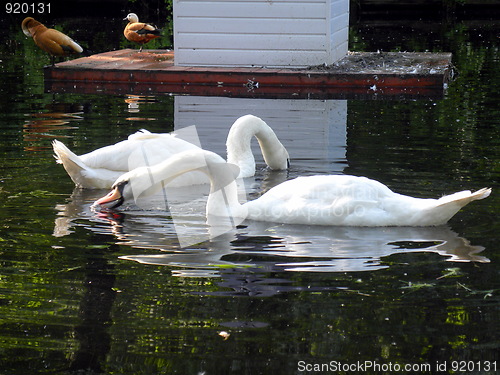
x=54 y=42
x=139 y=32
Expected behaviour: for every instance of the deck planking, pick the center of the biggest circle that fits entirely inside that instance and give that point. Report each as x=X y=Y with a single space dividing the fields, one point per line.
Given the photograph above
x=358 y=75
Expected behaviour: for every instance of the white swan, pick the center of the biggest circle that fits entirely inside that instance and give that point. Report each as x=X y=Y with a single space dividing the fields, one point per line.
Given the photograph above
x=317 y=200
x=99 y=169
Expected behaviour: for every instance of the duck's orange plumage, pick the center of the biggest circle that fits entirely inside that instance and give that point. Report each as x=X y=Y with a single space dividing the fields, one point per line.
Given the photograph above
x=139 y=32
x=51 y=41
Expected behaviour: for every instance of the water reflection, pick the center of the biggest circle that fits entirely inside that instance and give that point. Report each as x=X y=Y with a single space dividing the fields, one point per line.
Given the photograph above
x=257 y=246
x=315 y=249
x=133 y=104
x=42 y=125
x=313 y=131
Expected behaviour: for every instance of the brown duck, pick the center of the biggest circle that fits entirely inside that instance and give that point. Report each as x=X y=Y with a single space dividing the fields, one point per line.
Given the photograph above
x=139 y=32
x=54 y=42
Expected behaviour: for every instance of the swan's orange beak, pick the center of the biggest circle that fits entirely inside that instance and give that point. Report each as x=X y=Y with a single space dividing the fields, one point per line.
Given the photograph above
x=112 y=200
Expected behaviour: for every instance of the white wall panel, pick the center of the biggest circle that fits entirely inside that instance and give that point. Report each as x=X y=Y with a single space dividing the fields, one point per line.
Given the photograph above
x=270 y=33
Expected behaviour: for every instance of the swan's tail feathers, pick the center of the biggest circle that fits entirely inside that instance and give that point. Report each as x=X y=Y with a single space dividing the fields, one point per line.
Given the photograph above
x=71 y=162
x=446 y=207
x=63 y=154
x=463 y=198
x=482 y=193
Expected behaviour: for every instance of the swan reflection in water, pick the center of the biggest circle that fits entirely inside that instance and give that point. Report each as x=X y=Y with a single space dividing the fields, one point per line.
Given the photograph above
x=266 y=246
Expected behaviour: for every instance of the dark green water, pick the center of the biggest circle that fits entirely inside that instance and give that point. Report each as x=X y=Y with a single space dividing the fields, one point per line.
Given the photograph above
x=86 y=294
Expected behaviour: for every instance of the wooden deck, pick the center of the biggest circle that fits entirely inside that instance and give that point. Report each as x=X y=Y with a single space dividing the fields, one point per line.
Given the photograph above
x=358 y=75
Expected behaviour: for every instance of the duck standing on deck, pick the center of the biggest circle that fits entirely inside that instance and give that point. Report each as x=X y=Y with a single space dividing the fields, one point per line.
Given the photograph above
x=139 y=32
x=54 y=42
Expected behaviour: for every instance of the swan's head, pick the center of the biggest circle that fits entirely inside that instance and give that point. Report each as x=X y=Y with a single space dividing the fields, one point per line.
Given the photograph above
x=139 y=182
x=132 y=17
x=129 y=187
x=115 y=197
x=145 y=181
x=277 y=158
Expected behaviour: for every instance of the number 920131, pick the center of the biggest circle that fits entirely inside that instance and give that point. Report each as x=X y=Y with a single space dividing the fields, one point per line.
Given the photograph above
x=25 y=8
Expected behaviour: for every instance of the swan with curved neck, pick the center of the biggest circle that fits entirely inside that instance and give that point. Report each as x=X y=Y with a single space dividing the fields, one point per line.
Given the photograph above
x=239 y=141
x=314 y=200
x=100 y=168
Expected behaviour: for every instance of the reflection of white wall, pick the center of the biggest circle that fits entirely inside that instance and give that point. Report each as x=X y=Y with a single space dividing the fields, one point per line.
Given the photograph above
x=313 y=131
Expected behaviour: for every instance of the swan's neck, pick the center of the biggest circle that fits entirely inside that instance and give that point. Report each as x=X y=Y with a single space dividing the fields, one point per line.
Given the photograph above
x=224 y=212
x=223 y=200
x=239 y=149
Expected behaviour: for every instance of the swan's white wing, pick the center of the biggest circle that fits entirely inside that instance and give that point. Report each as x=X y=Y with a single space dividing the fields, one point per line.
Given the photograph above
x=353 y=201
x=321 y=200
x=139 y=150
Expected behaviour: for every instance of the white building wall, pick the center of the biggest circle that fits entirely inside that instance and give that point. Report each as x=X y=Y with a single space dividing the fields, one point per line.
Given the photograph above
x=338 y=29
x=270 y=33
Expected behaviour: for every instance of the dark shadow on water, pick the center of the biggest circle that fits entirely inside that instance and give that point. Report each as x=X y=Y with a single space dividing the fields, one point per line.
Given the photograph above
x=95 y=314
